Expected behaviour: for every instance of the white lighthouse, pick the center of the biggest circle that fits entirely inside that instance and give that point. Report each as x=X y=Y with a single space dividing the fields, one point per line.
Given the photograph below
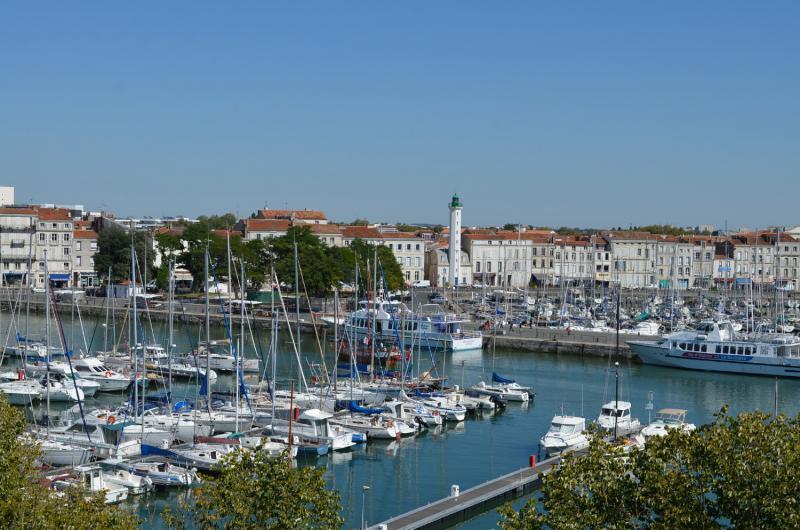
x=454 y=252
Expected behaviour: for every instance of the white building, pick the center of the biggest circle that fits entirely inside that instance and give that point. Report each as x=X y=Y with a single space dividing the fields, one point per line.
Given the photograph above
x=265 y=228
x=437 y=266
x=54 y=228
x=17 y=245
x=6 y=195
x=408 y=249
x=85 y=247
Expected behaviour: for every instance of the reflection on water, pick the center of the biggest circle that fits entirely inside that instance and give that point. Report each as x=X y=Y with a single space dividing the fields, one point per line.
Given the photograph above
x=406 y=474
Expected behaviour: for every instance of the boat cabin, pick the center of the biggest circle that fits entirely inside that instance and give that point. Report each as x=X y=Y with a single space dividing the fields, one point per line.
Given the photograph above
x=671 y=416
x=567 y=425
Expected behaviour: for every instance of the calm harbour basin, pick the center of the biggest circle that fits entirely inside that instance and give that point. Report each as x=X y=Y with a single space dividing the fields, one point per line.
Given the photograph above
x=414 y=471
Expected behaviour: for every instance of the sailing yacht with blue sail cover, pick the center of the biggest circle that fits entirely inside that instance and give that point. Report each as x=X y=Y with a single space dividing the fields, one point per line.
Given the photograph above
x=715 y=346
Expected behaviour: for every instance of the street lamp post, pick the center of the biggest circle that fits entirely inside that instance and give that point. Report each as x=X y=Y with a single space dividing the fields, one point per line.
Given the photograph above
x=364 y=490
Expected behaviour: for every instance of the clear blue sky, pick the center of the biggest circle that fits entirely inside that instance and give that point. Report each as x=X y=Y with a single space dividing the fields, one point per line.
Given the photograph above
x=557 y=113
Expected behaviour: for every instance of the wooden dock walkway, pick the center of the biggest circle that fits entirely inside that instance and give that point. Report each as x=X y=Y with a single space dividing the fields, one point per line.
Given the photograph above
x=481 y=498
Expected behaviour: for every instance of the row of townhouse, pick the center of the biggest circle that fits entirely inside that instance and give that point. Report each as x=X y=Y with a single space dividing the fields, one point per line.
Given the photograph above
x=631 y=259
x=33 y=235
x=408 y=248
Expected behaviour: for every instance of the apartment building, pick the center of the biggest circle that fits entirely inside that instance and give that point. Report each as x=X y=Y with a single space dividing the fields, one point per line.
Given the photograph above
x=17 y=245
x=84 y=248
x=264 y=228
x=408 y=249
x=54 y=229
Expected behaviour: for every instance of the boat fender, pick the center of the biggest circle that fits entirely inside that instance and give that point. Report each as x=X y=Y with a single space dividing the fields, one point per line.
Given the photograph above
x=111 y=420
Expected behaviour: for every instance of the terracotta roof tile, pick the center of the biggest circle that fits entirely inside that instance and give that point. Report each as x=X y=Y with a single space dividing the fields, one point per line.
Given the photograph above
x=306 y=215
x=325 y=229
x=266 y=225
x=361 y=232
x=84 y=234
x=53 y=214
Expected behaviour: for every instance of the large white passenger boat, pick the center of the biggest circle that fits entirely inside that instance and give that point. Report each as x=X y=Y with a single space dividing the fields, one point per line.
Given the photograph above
x=430 y=326
x=714 y=346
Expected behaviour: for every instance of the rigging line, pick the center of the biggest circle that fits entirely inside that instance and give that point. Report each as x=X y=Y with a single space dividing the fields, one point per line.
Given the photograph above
x=313 y=321
x=234 y=348
x=68 y=355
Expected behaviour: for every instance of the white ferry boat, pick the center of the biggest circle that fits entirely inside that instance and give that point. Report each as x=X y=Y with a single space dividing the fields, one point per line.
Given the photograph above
x=430 y=326
x=714 y=346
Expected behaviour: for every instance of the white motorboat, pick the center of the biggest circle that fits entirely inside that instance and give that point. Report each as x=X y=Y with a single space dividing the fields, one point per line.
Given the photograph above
x=445 y=409
x=87 y=386
x=183 y=425
x=617 y=414
x=21 y=392
x=502 y=392
x=314 y=425
x=57 y=453
x=94 y=370
x=59 y=389
x=92 y=477
x=104 y=440
x=375 y=426
x=431 y=326
x=666 y=420
x=121 y=475
x=163 y=473
x=566 y=433
x=201 y=456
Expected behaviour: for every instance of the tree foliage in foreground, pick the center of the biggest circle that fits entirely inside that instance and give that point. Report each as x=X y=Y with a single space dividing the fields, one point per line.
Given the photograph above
x=255 y=491
x=738 y=472
x=26 y=503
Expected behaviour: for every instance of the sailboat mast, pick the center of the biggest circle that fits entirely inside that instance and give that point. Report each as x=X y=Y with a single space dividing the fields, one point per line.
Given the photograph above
x=374 y=320
x=47 y=336
x=135 y=332
x=171 y=311
x=616 y=369
x=208 y=327
x=297 y=294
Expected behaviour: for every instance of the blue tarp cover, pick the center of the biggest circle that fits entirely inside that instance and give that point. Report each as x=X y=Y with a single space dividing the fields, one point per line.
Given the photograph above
x=500 y=379
x=355 y=407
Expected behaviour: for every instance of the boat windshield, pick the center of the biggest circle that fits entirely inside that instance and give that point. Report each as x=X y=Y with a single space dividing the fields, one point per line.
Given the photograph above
x=669 y=419
x=562 y=428
x=612 y=412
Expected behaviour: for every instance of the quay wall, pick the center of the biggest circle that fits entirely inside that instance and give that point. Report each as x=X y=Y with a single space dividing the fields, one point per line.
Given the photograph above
x=559 y=341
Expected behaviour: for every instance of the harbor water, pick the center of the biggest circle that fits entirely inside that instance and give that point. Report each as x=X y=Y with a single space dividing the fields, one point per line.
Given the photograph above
x=414 y=471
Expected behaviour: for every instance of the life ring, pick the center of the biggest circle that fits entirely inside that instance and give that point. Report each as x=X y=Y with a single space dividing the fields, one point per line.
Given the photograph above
x=314 y=380
x=111 y=420
x=109 y=373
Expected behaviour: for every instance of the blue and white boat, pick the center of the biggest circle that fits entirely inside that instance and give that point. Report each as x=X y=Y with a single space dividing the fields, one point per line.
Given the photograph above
x=714 y=346
x=430 y=327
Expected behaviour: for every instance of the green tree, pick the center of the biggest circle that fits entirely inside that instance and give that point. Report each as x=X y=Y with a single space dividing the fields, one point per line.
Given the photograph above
x=738 y=472
x=407 y=228
x=253 y=491
x=319 y=271
x=438 y=229
x=27 y=503
x=114 y=250
x=360 y=222
x=364 y=252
